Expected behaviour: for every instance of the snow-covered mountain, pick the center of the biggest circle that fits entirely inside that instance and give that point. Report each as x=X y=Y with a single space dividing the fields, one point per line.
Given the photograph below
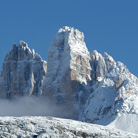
x=114 y=101
x=97 y=89
x=23 y=72
x=94 y=88
x=49 y=127
x=72 y=73
x=68 y=70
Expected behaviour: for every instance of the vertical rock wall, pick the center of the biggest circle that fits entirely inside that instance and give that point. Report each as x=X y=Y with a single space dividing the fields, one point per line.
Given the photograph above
x=22 y=73
x=68 y=65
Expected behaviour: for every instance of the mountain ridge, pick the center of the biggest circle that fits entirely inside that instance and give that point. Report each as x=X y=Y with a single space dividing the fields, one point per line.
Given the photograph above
x=94 y=88
x=22 y=72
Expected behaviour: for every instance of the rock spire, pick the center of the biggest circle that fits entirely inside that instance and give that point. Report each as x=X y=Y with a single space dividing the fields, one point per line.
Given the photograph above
x=23 y=72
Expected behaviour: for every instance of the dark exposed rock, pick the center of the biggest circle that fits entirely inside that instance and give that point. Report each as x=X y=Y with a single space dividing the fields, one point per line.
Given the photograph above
x=22 y=73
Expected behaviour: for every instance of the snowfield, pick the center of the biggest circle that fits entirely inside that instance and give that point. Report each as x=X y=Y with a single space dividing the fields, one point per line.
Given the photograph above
x=50 y=127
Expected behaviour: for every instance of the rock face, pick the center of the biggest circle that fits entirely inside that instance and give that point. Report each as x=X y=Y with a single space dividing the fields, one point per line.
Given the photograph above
x=100 y=66
x=49 y=127
x=22 y=73
x=68 y=67
x=94 y=88
x=114 y=102
x=72 y=73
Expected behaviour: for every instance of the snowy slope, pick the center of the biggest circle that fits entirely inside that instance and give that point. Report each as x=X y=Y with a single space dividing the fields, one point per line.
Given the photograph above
x=49 y=127
x=114 y=102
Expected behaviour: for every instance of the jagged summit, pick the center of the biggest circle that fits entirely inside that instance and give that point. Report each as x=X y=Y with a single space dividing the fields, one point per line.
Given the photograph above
x=64 y=29
x=22 y=72
x=94 y=88
x=108 y=60
x=79 y=36
x=22 y=52
x=22 y=44
x=100 y=65
x=67 y=48
x=72 y=73
x=114 y=101
x=68 y=67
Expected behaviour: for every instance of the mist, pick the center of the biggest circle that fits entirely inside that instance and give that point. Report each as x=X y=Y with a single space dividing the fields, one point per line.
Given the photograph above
x=32 y=106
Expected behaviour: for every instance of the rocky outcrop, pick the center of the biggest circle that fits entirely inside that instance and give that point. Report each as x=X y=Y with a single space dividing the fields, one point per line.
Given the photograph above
x=68 y=67
x=72 y=73
x=115 y=100
x=22 y=73
x=100 y=66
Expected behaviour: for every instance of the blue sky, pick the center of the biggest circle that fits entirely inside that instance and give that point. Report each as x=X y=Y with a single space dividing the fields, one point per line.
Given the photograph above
x=108 y=25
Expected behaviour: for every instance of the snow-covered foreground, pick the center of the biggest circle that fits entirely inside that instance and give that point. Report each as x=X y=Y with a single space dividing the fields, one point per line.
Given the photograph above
x=126 y=122
x=49 y=127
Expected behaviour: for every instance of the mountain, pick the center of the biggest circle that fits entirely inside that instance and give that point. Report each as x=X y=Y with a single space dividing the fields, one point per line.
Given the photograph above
x=72 y=73
x=99 y=66
x=68 y=69
x=91 y=87
x=23 y=72
x=114 y=101
x=49 y=127
x=94 y=88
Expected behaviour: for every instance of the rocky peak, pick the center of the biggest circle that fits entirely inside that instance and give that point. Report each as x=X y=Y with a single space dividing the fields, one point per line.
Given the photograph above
x=22 y=44
x=23 y=72
x=114 y=98
x=100 y=65
x=72 y=72
x=108 y=60
x=19 y=53
x=68 y=67
x=68 y=52
x=94 y=88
